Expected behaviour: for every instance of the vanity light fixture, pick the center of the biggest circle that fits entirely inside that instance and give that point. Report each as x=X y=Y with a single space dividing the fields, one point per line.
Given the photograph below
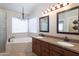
x=57 y=6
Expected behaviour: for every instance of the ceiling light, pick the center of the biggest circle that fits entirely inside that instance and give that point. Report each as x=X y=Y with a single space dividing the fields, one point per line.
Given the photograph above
x=23 y=14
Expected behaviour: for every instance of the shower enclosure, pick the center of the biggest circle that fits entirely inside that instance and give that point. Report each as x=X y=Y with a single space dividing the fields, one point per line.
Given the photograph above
x=3 y=30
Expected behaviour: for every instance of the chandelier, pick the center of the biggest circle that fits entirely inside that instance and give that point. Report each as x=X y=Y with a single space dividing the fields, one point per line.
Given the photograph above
x=23 y=14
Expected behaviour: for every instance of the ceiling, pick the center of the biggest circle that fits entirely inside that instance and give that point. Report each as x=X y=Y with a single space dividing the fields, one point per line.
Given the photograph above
x=17 y=7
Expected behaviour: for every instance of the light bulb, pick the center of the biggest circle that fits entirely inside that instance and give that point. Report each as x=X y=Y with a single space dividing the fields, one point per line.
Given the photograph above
x=58 y=6
x=42 y=12
x=64 y=4
x=48 y=10
x=45 y=11
x=53 y=8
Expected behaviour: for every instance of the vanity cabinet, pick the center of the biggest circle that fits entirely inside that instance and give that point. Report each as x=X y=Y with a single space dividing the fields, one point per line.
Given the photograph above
x=59 y=51
x=36 y=46
x=55 y=51
x=70 y=53
x=42 y=48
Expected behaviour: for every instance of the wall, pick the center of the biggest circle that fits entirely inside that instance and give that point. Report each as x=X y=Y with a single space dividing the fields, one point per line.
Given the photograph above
x=53 y=19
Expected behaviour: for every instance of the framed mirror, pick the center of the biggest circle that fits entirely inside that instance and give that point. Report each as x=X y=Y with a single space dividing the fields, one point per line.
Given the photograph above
x=44 y=24
x=68 y=21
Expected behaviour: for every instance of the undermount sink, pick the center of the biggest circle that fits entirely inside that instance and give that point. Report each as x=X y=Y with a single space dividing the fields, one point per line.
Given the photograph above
x=39 y=37
x=65 y=44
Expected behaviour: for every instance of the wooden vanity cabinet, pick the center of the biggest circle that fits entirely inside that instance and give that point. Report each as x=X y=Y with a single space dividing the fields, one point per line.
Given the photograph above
x=59 y=51
x=55 y=51
x=36 y=46
x=45 y=48
x=42 y=48
x=70 y=53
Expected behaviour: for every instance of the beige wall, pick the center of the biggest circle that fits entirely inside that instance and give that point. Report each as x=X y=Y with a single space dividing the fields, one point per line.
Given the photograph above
x=53 y=19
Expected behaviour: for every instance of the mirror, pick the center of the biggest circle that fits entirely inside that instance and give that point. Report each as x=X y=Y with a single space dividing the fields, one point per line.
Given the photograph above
x=68 y=21
x=44 y=24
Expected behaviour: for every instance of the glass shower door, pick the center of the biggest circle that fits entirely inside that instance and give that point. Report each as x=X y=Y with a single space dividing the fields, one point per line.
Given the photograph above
x=3 y=30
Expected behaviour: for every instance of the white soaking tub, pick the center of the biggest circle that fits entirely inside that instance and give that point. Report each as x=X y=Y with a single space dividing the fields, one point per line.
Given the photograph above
x=21 y=40
x=19 y=45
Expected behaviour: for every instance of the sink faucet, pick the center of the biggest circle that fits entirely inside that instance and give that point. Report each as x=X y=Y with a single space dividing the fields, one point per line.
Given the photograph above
x=66 y=39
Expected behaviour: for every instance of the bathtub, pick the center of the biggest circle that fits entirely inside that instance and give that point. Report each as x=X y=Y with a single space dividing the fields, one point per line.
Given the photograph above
x=19 y=45
x=21 y=40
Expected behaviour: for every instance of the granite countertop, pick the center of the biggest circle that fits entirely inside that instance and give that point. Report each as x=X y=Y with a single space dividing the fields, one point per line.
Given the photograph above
x=54 y=41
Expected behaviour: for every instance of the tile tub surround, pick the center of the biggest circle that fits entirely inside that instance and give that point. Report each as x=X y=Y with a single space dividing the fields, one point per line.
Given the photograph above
x=54 y=41
x=19 y=49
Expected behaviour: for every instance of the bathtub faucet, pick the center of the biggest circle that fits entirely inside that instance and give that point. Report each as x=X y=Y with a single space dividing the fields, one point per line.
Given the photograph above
x=11 y=38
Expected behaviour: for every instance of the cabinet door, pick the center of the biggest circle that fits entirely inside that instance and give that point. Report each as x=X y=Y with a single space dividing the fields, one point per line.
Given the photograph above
x=44 y=44
x=45 y=51
x=33 y=45
x=70 y=53
x=45 y=48
x=56 y=51
x=36 y=46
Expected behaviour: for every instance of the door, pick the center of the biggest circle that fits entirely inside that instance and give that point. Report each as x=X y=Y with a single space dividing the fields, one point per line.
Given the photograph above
x=3 y=30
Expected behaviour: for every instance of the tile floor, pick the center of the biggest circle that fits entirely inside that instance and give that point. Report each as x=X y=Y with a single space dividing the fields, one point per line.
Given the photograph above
x=17 y=54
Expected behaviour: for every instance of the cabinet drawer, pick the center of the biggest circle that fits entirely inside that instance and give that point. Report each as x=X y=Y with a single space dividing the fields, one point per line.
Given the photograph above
x=45 y=51
x=54 y=53
x=44 y=44
x=38 y=52
x=44 y=54
x=57 y=49
x=38 y=41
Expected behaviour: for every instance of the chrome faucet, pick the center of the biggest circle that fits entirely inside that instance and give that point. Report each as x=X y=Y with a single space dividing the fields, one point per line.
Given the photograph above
x=10 y=38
